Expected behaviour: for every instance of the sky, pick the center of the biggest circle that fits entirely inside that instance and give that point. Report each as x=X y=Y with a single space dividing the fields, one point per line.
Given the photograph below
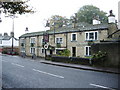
x=46 y=8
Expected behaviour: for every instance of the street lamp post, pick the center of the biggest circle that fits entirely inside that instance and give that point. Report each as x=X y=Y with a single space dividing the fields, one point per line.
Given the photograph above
x=12 y=33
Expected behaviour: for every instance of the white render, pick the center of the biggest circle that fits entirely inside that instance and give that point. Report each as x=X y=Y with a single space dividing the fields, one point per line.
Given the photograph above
x=111 y=19
x=95 y=22
x=8 y=43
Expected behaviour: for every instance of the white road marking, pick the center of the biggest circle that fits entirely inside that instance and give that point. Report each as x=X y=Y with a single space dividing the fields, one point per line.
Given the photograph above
x=101 y=86
x=48 y=73
x=17 y=65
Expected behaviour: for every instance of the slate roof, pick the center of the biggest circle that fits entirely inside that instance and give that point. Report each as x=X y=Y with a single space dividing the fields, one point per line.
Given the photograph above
x=67 y=29
x=7 y=38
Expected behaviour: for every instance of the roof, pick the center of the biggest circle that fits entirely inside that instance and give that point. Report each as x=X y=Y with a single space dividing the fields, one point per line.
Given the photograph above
x=7 y=38
x=82 y=27
x=114 y=33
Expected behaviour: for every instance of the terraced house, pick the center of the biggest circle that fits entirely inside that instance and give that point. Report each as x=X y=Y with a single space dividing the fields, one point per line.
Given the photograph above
x=76 y=39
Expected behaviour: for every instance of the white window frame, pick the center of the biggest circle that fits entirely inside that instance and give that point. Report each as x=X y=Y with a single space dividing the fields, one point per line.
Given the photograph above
x=31 y=40
x=42 y=51
x=22 y=40
x=31 y=51
x=87 y=51
x=72 y=36
x=60 y=40
x=22 y=49
x=88 y=37
x=0 y=41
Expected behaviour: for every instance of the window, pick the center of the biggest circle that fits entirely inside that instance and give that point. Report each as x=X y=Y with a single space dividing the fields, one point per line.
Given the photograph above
x=87 y=50
x=59 y=40
x=32 y=50
x=0 y=41
x=22 y=40
x=73 y=37
x=42 y=41
x=32 y=40
x=91 y=36
x=22 y=49
x=42 y=50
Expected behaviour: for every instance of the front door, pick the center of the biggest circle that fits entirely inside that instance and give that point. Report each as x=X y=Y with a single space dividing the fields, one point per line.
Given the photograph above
x=73 y=51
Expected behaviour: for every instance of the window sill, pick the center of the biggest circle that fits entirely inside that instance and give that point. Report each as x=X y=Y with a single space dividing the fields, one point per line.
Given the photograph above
x=87 y=55
x=73 y=41
x=90 y=40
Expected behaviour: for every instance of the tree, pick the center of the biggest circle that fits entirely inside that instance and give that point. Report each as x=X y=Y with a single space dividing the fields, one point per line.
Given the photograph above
x=87 y=12
x=56 y=21
x=15 y=7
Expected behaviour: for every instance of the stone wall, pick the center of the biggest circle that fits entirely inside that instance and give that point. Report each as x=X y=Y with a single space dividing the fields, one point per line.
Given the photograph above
x=112 y=49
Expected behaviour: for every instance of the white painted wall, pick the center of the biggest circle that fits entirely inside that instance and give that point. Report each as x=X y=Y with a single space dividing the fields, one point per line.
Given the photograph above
x=9 y=42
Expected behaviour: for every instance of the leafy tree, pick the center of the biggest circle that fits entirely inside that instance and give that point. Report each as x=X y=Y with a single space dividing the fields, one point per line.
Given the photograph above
x=15 y=7
x=56 y=21
x=87 y=12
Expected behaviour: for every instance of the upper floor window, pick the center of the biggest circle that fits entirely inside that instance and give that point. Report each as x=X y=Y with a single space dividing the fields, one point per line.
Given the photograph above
x=42 y=40
x=91 y=36
x=22 y=40
x=59 y=40
x=0 y=41
x=32 y=40
x=73 y=37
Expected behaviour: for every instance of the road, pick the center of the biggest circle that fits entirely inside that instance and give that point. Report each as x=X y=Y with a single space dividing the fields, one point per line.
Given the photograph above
x=18 y=72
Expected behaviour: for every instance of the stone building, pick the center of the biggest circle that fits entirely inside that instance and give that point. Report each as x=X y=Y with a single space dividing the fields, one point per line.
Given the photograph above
x=76 y=39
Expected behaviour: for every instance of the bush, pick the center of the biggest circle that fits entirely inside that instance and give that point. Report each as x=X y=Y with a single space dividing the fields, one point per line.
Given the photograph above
x=65 y=52
x=99 y=57
x=4 y=52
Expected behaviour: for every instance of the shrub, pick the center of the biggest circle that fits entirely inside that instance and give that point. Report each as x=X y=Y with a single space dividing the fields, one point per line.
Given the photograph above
x=99 y=57
x=4 y=52
x=65 y=52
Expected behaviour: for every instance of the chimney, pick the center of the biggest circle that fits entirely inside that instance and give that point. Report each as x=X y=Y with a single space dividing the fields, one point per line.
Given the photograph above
x=26 y=30
x=74 y=21
x=5 y=34
x=111 y=17
x=0 y=34
x=96 y=20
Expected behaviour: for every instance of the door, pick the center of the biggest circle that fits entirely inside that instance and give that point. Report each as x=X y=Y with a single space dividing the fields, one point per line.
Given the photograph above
x=73 y=51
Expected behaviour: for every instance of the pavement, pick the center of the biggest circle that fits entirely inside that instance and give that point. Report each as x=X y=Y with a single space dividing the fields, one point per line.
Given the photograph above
x=84 y=67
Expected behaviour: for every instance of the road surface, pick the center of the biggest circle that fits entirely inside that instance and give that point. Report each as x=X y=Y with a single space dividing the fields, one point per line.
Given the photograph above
x=18 y=72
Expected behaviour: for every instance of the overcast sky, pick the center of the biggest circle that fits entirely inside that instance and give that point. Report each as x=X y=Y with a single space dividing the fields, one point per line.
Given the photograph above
x=46 y=8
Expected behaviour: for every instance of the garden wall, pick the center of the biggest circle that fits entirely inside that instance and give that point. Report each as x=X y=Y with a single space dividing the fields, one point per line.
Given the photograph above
x=112 y=49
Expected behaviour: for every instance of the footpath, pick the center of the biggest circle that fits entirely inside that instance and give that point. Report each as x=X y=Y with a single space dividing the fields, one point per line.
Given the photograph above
x=84 y=67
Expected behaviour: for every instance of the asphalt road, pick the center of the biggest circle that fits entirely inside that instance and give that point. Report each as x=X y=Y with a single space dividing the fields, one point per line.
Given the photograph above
x=18 y=72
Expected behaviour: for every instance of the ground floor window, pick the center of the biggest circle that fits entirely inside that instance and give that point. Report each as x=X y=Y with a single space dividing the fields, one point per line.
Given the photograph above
x=22 y=49
x=87 y=50
x=32 y=50
x=42 y=50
